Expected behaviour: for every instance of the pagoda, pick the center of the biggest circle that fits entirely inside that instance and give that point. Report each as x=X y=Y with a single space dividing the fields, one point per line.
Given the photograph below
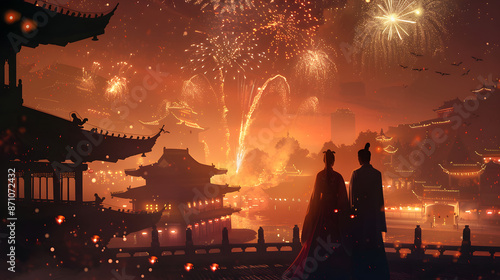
x=181 y=185
x=382 y=138
x=47 y=155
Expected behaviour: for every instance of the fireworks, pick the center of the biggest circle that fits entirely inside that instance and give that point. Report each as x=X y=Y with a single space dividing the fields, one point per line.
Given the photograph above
x=226 y=53
x=283 y=89
x=315 y=68
x=117 y=86
x=430 y=29
x=394 y=28
x=308 y=106
x=87 y=81
x=395 y=14
x=286 y=28
x=223 y=6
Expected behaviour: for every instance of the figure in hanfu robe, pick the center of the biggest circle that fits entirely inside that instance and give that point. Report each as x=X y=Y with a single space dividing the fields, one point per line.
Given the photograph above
x=367 y=202
x=325 y=244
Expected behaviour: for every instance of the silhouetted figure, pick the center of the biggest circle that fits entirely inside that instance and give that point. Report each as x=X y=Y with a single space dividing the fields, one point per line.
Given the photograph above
x=325 y=246
x=77 y=121
x=98 y=200
x=367 y=202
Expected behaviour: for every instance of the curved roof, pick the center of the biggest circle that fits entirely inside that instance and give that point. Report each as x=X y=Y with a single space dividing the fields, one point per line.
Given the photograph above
x=63 y=25
x=35 y=135
x=175 y=162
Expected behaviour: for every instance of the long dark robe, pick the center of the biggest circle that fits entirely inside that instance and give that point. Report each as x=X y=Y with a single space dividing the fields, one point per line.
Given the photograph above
x=367 y=199
x=325 y=249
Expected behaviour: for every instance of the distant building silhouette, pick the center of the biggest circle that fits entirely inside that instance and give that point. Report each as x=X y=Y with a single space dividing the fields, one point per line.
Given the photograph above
x=343 y=127
x=181 y=185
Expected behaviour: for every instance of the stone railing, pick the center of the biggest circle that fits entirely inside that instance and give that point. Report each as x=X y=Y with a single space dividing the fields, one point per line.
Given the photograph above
x=262 y=252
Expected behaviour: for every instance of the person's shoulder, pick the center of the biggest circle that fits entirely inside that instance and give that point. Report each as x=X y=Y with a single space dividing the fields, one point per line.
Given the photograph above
x=376 y=171
x=321 y=173
x=336 y=174
x=356 y=170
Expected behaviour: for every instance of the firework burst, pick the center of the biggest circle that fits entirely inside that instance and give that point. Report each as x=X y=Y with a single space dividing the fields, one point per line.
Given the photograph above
x=394 y=15
x=117 y=86
x=223 y=6
x=430 y=29
x=87 y=81
x=315 y=67
x=309 y=106
x=394 y=28
x=286 y=27
x=225 y=54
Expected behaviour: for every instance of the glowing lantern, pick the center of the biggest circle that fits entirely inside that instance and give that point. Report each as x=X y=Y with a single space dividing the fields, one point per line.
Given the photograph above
x=188 y=266
x=214 y=267
x=28 y=25
x=95 y=238
x=153 y=260
x=12 y=16
x=60 y=219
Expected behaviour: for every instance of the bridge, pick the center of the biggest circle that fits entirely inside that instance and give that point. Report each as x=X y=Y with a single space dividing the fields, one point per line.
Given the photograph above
x=263 y=260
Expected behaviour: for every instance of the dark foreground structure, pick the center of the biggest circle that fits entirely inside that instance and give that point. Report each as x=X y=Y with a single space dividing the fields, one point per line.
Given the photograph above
x=263 y=260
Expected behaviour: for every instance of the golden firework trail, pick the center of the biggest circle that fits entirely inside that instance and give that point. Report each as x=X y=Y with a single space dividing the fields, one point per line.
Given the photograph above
x=247 y=121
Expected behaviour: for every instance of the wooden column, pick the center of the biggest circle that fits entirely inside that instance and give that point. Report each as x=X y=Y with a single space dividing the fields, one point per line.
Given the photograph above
x=40 y=187
x=2 y=71
x=67 y=187
x=56 y=187
x=78 y=186
x=46 y=186
x=27 y=185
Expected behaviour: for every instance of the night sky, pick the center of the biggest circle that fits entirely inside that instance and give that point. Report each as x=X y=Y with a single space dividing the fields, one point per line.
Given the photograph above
x=161 y=34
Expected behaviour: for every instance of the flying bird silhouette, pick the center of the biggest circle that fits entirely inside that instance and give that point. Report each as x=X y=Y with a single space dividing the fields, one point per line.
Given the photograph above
x=466 y=73
x=457 y=64
x=402 y=66
x=420 y=69
x=415 y=54
x=442 y=74
x=477 y=59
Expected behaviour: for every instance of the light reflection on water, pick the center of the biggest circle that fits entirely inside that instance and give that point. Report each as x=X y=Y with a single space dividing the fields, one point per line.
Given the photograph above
x=281 y=230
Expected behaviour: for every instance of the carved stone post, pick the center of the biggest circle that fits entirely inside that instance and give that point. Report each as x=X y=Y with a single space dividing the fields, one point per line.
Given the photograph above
x=465 y=250
x=417 y=242
x=225 y=241
x=261 y=247
x=189 y=242
x=296 y=239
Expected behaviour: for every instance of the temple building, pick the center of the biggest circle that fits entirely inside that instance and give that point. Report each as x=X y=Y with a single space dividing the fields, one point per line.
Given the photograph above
x=47 y=155
x=463 y=172
x=184 y=128
x=181 y=185
x=490 y=155
x=489 y=192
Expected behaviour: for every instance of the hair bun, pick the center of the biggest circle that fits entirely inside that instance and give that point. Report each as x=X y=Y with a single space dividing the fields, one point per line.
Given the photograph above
x=367 y=146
